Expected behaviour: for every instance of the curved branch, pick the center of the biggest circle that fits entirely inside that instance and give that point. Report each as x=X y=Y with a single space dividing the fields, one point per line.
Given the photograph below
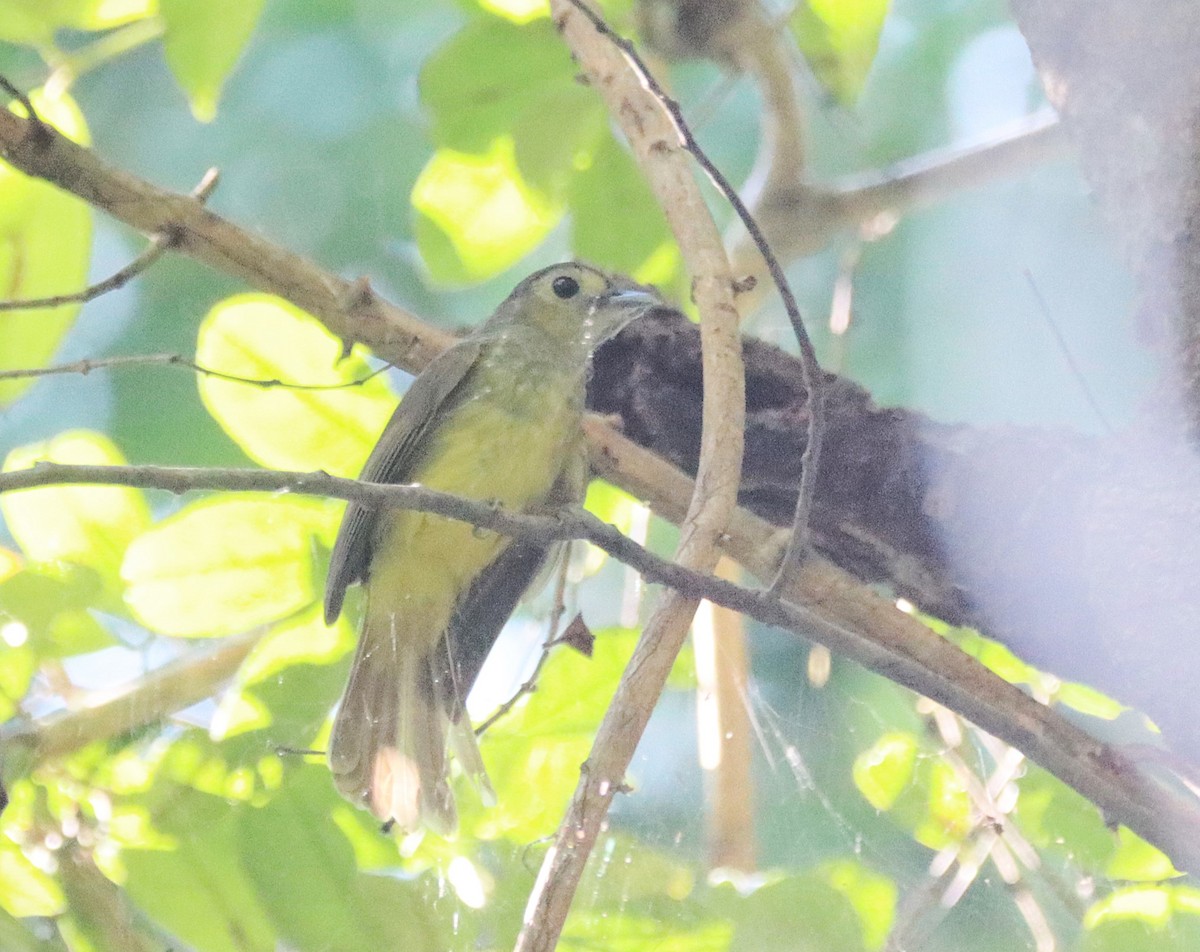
x=822 y=604
x=898 y=646
x=655 y=137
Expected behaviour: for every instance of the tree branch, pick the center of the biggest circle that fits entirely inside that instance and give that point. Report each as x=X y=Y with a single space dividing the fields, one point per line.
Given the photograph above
x=821 y=604
x=350 y=309
x=655 y=137
x=898 y=646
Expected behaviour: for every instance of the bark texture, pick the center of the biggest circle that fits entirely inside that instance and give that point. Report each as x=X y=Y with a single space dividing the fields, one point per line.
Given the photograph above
x=1079 y=553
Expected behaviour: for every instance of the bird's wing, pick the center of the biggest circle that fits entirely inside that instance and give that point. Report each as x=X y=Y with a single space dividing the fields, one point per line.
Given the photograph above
x=390 y=462
x=492 y=598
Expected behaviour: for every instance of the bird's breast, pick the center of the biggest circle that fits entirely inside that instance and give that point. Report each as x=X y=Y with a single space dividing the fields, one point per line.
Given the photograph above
x=507 y=443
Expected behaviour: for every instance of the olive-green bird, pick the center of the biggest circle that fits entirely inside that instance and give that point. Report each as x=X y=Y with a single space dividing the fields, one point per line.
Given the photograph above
x=497 y=417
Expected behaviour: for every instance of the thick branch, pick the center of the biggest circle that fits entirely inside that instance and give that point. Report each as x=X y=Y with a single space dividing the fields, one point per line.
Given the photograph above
x=900 y=648
x=882 y=515
x=349 y=309
x=654 y=134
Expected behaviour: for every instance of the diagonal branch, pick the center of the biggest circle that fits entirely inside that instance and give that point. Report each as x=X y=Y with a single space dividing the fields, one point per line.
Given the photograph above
x=846 y=615
x=911 y=656
x=654 y=135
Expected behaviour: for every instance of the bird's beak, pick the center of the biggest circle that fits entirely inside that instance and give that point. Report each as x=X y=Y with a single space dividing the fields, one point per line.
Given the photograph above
x=618 y=307
x=634 y=298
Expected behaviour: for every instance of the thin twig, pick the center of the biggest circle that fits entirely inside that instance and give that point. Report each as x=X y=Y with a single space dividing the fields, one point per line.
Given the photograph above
x=89 y=364
x=961 y=683
x=552 y=639
x=1065 y=350
x=669 y=172
x=159 y=245
x=810 y=368
x=118 y=279
x=349 y=309
x=40 y=129
x=528 y=686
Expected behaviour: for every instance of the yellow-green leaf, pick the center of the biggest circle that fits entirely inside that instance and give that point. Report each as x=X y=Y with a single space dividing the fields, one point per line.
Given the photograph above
x=885 y=770
x=260 y=337
x=35 y=22
x=518 y=11
x=45 y=247
x=872 y=895
x=86 y=525
x=302 y=640
x=533 y=753
x=24 y=889
x=203 y=41
x=1138 y=861
x=921 y=793
x=607 y=188
x=839 y=39
x=476 y=215
x=1164 y=918
x=226 y=564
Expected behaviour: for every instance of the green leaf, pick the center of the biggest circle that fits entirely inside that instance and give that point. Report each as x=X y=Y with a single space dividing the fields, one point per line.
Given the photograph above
x=804 y=913
x=839 y=39
x=498 y=94
x=1087 y=700
x=872 y=895
x=533 y=754
x=885 y=770
x=203 y=41
x=15 y=937
x=288 y=683
x=324 y=902
x=1137 y=861
x=17 y=665
x=24 y=889
x=602 y=197
x=45 y=247
x=197 y=889
x=919 y=791
x=490 y=74
x=476 y=215
x=617 y=931
x=226 y=564
x=260 y=337
x=50 y=605
x=518 y=11
x=83 y=525
x=35 y=22
x=1150 y=918
x=1054 y=817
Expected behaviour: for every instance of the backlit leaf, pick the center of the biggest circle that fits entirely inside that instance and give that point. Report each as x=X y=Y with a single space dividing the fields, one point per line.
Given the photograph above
x=476 y=215
x=225 y=565
x=203 y=41
x=45 y=248
x=85 y=525
x=36 y=21
x=839 y=39
x=260 y=337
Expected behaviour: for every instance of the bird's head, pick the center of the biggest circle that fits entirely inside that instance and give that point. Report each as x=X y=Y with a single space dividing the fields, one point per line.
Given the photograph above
x=576 y=305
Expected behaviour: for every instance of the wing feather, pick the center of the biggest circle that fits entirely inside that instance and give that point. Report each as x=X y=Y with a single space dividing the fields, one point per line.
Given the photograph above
x=391 y=461
x=494 y=595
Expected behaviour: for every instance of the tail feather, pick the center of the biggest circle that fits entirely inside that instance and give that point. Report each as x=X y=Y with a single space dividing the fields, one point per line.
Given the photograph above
x=388 y=747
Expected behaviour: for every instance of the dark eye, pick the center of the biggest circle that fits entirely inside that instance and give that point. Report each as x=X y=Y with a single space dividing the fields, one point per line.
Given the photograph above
x=565 y=287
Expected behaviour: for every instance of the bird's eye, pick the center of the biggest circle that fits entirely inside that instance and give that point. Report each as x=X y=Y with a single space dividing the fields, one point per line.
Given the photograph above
x=565 y=287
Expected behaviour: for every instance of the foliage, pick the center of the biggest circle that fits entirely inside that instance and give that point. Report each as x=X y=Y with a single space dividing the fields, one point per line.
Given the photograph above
x=198 y=833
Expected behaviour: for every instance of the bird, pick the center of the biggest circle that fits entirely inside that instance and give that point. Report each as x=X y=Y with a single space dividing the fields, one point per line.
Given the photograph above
x=498 y=418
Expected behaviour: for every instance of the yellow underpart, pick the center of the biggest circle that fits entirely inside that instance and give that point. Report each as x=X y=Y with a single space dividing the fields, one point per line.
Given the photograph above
x=422 y=564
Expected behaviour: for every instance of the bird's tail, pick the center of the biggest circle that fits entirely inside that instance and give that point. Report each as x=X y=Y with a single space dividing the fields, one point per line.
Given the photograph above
x=389 y=743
